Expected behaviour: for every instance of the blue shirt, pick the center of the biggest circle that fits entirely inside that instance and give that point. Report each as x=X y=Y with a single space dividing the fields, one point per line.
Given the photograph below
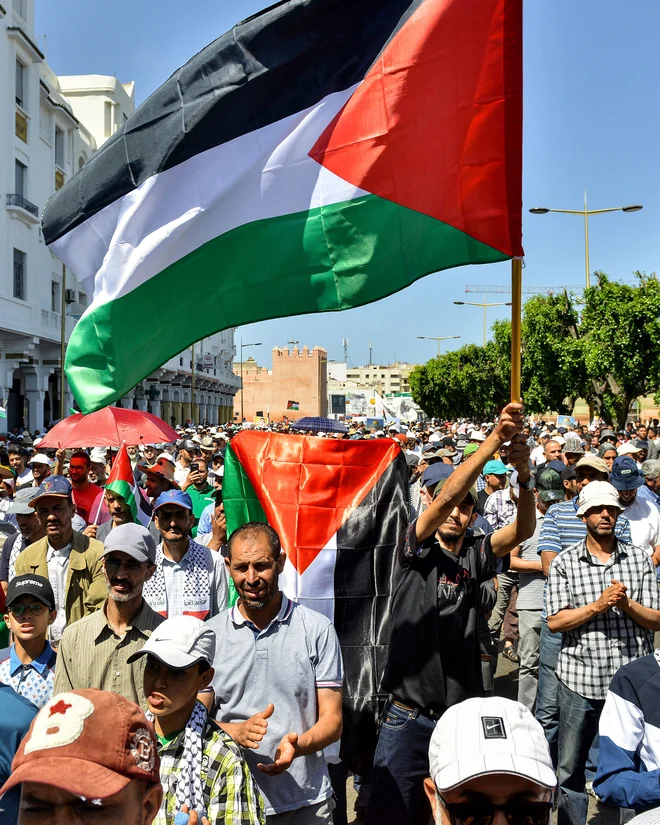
x=205 y=524
x=16 y=715
x=34 y=680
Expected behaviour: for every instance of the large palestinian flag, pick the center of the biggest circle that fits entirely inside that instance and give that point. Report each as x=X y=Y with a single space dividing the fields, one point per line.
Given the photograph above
x=319 y=156
x=339 y=508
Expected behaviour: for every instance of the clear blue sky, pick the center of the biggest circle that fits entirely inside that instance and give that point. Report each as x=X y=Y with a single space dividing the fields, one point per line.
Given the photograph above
x=592 y=118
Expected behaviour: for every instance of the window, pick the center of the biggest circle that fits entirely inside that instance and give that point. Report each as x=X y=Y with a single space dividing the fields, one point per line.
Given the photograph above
x=20 y=179
x=19 y=274
x=19 y=8
x=82 y=298
x=21 y=72
x=55 y=297
x=59 y=147
x=81 y=161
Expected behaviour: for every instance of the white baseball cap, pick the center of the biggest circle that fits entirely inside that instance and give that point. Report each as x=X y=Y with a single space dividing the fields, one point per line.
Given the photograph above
x=597 y=494
x=179 y=643
x=627 y=448
x=485 y=736
x=40 y=458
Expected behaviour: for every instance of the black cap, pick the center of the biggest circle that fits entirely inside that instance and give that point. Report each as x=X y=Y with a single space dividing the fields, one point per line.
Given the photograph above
x=31 y=585
x=568 y=473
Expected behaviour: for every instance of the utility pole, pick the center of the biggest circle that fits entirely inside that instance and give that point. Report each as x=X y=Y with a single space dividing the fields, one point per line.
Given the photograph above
x=371 y=354
x=344 y=342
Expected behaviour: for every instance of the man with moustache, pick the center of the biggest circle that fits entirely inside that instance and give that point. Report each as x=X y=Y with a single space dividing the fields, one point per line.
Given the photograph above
x=94 y=652
x=70 y=561
x=189 y=579
x=278 y=682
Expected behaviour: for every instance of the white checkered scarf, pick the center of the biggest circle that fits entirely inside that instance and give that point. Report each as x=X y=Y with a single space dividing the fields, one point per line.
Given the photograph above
x=198 y=583
x=187 y=784
x=18 y=546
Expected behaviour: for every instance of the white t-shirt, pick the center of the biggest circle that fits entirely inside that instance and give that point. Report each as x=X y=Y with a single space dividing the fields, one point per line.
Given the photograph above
x=537 y=456
x=644 y=521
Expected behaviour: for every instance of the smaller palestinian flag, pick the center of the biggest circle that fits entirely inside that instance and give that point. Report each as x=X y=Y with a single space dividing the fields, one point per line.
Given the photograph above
x=293 y=405
x=122 y=482
x=339 y=508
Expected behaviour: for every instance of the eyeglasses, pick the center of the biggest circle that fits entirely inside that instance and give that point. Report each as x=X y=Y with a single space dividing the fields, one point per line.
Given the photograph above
x=115 y=565
x=37 y=608
x=483 y=813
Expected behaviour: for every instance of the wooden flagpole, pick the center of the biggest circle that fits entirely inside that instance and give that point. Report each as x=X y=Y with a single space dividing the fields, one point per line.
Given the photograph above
x=516 y=317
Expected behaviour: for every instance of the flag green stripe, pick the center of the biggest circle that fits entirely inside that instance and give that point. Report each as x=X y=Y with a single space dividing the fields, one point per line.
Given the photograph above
x=240 y=500
x=124 y=489
x=332 y=258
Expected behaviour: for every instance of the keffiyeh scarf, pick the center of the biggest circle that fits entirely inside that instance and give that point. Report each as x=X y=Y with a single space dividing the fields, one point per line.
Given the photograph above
x=197 y=587
x=181 y=770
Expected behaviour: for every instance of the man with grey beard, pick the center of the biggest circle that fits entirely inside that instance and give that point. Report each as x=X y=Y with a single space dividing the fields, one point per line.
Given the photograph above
x=94 y=651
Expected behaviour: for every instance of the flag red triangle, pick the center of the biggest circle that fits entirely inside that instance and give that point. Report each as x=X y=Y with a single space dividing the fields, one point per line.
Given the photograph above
x=309 y=486
x=436 y=125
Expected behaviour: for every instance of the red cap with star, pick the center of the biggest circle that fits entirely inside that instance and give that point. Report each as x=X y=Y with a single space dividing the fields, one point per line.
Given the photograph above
x=91 y=743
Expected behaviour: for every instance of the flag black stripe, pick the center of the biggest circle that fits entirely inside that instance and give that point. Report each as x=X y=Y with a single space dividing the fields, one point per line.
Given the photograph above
x=270 y=66
x=364 y=578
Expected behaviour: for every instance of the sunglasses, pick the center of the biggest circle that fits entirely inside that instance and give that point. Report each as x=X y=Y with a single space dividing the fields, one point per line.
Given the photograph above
x=18 y=609
x=114 y=565
x=483 y=813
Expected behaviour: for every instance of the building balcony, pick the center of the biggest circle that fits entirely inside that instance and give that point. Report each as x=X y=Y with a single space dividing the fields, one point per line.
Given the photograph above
x=23 y=209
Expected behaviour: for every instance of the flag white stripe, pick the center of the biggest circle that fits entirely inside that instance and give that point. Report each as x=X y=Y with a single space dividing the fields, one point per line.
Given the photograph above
x=315 y=588
x=263 y=174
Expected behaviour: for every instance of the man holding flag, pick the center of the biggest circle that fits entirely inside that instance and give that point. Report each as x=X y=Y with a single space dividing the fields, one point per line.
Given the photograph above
x=434 y=653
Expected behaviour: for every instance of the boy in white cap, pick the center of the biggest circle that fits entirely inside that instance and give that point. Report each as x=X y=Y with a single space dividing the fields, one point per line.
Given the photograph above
x=201 y=766
x=488 y=756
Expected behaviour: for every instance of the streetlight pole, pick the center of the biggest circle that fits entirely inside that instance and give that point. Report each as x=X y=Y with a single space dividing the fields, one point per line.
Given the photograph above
x=485 y=306
x=543 y=210
x=243 y=346
x=437 y=338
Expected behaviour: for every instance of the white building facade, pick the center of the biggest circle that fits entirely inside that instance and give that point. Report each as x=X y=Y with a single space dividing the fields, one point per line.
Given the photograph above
x=49 y=128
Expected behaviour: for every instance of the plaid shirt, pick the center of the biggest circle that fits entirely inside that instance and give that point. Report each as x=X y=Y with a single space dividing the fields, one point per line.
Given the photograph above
x=231 y=796
x=592 y=653
x=500 y=509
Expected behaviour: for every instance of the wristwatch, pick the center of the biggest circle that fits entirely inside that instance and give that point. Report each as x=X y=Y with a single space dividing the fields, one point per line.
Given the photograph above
x=530 y=484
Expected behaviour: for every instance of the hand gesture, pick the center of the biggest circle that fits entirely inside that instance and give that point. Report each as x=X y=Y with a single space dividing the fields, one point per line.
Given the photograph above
x=511 y=421
x=250 y=733
x=286 y=752
x=191 y=479
x=519 y=454
x=219 y=527
x=191 y=817
x=90 y=530
x=622 y=596
x=60 y=454
x=611 y=597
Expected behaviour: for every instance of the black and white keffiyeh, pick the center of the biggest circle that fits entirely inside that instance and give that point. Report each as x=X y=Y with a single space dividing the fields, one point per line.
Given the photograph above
x=196 y=589
x=181 y=769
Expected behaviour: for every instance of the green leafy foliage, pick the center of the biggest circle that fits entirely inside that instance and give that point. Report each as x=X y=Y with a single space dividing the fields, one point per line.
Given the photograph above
x=605 y=349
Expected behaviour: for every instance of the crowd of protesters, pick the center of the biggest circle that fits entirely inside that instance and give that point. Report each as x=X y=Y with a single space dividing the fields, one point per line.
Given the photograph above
x=157 y=672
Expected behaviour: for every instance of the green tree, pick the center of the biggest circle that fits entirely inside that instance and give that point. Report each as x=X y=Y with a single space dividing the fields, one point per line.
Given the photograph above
x=604 y=348
x=553 y=367
x=620 y=331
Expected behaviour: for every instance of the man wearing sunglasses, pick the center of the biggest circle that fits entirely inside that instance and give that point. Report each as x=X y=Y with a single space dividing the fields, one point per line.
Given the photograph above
x=490 y=764
x=30 y=667
x=94 y=652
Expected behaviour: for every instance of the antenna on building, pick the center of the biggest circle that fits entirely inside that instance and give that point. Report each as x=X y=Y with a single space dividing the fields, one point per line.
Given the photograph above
x=344 y=343
x=371 y=354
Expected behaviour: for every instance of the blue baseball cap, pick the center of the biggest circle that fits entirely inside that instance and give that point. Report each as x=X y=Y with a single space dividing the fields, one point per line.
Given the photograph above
x=53 y=486
x=435 y=473
x=495 y=467
x=625 y=474
x=177 y=497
